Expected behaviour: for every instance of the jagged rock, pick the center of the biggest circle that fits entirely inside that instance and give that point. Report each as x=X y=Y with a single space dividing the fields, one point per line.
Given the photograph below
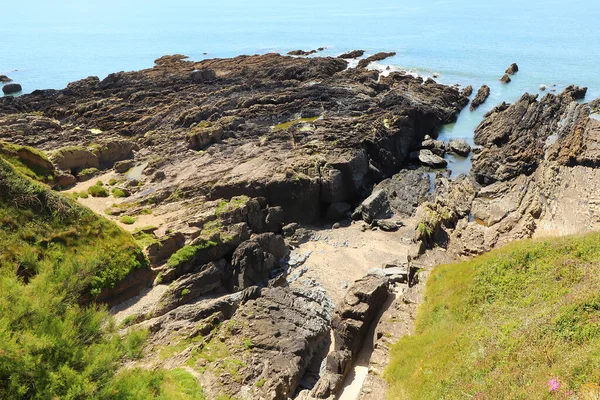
x=514 y=136
x=467 y=91
x=512 y=69
x=352 y=54
x=375 y=57
x=459 y=146
x=505 y=78
x=482 y=94
x=11 y=88
x=5 y=79
x=426 y=157
x=337 y=211
x=375 y=206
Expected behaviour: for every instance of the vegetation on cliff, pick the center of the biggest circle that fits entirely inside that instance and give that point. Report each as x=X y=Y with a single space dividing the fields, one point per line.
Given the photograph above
x=520 y=322
x=53 y=255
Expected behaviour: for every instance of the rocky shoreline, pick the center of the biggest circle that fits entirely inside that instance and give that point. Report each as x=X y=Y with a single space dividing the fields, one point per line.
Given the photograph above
x=229 y=167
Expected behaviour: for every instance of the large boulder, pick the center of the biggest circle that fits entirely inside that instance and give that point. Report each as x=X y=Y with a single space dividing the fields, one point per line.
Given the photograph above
x=376 y=206
x=75 y=158
x=406 y=190
x=253 y=260
x=459 y=146
x=427 y=158
x=11 y=88
x=113 y=151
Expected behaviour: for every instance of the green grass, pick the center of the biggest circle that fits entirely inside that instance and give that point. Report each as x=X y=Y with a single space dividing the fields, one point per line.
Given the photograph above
x=54 y=255
x=98 y=191
x=127 y=220
x=502 y=325
x=187 y=254
x=88 y=173
x=138 y=383
x=20 y=157
x=116 y=192
x=227 y=206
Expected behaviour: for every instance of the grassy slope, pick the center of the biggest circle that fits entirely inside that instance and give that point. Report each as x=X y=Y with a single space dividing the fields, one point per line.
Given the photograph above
x=52 y=251
x=504 y=325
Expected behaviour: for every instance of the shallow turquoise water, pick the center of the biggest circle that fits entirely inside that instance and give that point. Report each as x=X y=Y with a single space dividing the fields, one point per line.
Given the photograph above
x=48 y=44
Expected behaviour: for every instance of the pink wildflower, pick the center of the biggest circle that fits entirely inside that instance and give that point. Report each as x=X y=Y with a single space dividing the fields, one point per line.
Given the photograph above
x=553 y=385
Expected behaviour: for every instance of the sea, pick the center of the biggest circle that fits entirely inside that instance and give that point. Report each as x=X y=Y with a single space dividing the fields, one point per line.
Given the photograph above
x=47 y=44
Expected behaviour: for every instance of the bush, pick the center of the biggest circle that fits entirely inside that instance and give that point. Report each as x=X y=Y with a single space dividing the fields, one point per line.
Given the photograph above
x=97 y=191
x=116 y=192
x=88 y=173
x=127 y=220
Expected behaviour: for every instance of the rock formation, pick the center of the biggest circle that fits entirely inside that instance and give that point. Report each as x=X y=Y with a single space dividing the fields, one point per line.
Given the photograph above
x=352 y=54
x=512 y=69
x=482 y=94
x=375 y=57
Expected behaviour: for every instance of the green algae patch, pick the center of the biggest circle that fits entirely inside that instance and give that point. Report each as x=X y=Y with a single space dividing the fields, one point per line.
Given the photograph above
x=288 y=124
x=519 y=322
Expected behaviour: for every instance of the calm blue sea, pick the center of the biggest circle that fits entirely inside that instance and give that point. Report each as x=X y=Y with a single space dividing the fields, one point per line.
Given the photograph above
x=46 y=44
